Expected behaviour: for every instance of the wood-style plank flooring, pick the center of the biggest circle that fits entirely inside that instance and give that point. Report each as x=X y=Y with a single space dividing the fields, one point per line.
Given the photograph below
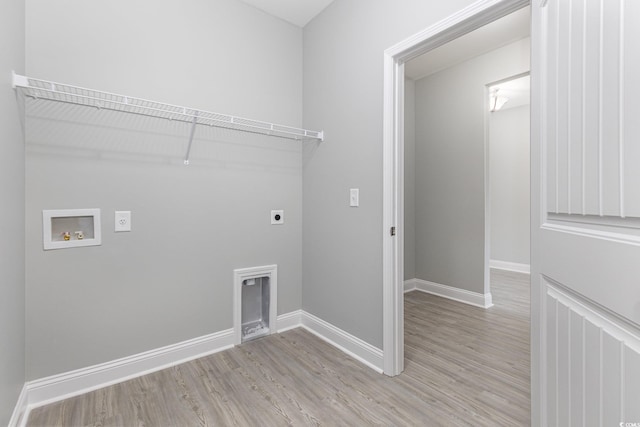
x=464 y=366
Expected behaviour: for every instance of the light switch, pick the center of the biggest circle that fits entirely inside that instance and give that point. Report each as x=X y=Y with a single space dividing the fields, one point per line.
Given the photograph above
x=354 y=197
x=123 y=221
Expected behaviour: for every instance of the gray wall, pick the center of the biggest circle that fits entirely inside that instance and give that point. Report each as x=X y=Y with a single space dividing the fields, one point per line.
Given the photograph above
x=12 y=306
x=343 y=93
x=450 y=151
x=509 y=177
x=171 y=278
x=409 y=180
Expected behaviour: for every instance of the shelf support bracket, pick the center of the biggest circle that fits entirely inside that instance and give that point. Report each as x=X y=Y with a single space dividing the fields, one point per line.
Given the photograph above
x=18 y=80
x=193 y=132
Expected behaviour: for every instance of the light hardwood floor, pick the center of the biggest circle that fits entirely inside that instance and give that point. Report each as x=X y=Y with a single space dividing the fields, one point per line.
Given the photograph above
x=464 y=366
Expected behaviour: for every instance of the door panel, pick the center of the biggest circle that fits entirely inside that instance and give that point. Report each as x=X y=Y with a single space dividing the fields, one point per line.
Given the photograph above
x=631 y=103
x=586 y=212
x=577 y=329
x=592 y=358
x=591 y=71
x=600 y=270
x=593 y=361
x=631 y=387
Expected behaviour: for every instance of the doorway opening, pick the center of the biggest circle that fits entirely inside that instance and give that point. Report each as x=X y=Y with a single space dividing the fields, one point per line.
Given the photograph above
x=396 y=59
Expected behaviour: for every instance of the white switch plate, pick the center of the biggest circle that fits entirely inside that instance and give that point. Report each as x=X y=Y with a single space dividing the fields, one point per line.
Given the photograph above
x=277 y=217
x=354 y=197
x=123 y=221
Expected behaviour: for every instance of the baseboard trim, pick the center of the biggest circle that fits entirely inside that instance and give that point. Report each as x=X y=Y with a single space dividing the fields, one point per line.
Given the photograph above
x=349 y=344
x=449 y=292
x=63 y=386
x=289 y=321
x=21 y=411
x=58 y=387
x=410 y=285
x=510 y=266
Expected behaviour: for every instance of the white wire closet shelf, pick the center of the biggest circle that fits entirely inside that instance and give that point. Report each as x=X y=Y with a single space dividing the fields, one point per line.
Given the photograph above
x=60 y=92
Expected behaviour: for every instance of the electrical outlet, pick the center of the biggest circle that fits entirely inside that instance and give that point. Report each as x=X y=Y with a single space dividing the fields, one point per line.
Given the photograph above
x=277 y=217
x=123 y=221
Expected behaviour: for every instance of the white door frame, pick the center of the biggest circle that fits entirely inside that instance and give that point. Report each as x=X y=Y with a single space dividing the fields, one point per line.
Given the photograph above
x=468 y=19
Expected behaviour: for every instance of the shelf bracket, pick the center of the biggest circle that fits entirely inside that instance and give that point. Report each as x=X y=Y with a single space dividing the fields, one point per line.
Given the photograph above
x=18 y=80
x=193 y=132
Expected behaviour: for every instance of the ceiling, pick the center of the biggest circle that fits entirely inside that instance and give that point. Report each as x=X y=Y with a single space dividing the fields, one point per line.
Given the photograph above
x=297 y=12
x=501 y=32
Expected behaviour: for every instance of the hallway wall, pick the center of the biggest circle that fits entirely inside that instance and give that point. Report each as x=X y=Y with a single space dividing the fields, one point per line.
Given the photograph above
x=450 y=166
x=509 y=177
x=409 y=180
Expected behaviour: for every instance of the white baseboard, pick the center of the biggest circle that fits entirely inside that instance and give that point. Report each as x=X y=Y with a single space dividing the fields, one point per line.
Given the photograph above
x=510 y=266
x=289 y=321
x=20 y=412
x=58 y=387
x=63 y=386
x=410 y=285
x=351 y=345
x=449 y=292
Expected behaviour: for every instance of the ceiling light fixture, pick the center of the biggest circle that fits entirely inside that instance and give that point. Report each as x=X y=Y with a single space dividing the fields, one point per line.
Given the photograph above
x=496 y=102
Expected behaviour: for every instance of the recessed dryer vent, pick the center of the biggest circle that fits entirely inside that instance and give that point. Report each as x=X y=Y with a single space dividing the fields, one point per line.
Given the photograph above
x=255 y=307
x=255 y=295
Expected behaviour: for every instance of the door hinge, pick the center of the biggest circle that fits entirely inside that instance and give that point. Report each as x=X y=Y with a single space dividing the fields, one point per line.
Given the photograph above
x=393 y=231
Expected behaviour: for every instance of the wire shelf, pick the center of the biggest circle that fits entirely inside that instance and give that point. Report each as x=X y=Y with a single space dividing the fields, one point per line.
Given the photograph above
x=59 y=92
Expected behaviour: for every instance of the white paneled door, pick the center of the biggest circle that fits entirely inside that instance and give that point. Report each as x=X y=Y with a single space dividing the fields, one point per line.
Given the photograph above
x=586 y=212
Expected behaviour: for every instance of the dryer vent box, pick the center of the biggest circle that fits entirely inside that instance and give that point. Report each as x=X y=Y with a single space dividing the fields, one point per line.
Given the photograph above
x=255 y=308
x=255 y=296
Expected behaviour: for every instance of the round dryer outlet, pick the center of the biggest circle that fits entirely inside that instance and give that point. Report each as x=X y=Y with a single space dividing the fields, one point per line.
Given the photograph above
x=277 y=217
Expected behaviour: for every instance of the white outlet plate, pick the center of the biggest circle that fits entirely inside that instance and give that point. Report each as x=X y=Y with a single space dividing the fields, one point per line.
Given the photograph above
x=123 y=221
x=277 y=217
x=354 y=197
